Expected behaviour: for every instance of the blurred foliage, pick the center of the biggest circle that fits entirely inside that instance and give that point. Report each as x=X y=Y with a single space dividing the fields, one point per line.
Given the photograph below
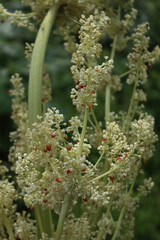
x=12 y=60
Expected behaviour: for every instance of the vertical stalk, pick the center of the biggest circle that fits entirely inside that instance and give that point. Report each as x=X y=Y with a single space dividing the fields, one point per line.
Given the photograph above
x=62 y=216
x=130 y=114
x=107 y=103
x=34 y=97
x=118 y=223
x=102 y=229
x=39 y=224
x=8 y=226
x=83 y=133
x=36 y=69
x=123 y=210
x=95 y=120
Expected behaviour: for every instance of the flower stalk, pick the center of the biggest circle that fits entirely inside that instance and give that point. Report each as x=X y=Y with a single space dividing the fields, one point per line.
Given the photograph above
x=62 y=216
x=36 y=68
x=8 y=227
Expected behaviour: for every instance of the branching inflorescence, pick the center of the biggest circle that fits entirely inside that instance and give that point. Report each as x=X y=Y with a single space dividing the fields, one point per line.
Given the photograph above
x=53 y=160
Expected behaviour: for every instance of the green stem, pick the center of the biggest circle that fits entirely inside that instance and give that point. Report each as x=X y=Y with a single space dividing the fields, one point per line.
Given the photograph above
x=116 y=167
x=80 y=148
x=47 y=222
x=118 y=224
x=108 y=90
x=132 y=101
x=125 y=73
x=128 y=117
x=123 y=210
x=113 y=47
x=23 y=15
x=97 y=216
x=62 y=216
x=40 y=229
x=99 y=159
x=95 y=120
x=36 y=69
x=102 y=229
x=8 y=226
x=107 y=103
x=105 y=174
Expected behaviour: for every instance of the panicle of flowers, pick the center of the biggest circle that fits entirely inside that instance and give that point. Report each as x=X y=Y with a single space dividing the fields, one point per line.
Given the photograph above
x=120 y=25
x=107 y=223
x=19 y=108
x=77 y=228
x=25 y=227
x=120 y=156
x=8 y=195
x=114 y=142
x=75 y=125
x=68 y=19
x=142 y=133
x=3 y=170
x=17 y=18
x=39 y=7
x=140 y=60
x=87 y=75
x=49 y=171
x=144 y=189
x=44 y=236
x=19 y=116
x=28 y=50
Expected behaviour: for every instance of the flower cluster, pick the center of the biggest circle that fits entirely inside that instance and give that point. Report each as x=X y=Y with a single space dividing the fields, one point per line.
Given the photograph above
x=120 y=26
x=19 y=116
x=51 y=168
x=140 y=60
x=17 y=18
x=89 y=76
x=8 y=195
x=25 y=226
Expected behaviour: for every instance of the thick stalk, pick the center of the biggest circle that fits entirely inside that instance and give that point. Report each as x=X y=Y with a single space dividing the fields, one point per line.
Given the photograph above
x=62 y=216
x=8 y=226
x=40 y=228
x=36 y=69
x=34 y=94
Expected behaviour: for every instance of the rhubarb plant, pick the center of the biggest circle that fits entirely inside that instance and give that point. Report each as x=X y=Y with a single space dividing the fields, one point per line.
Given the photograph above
x=78 y=178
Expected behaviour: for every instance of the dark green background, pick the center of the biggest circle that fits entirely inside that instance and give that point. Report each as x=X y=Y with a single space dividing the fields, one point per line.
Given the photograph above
x=12 y=40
